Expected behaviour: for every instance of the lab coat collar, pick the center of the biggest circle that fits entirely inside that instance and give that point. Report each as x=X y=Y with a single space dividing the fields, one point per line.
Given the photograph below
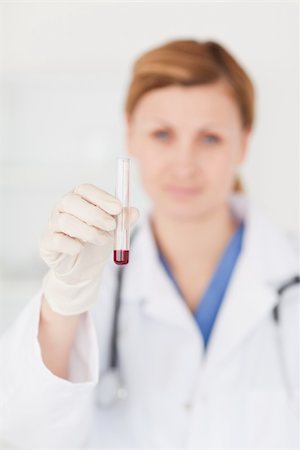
x=266 y=260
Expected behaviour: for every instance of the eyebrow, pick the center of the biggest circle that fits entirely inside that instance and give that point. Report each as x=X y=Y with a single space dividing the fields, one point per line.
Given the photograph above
x=206 y=126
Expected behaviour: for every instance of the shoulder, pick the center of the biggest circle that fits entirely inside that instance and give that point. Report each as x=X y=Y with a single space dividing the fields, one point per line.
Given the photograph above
x=294 y=241
x=288 y=331
x=272 y=251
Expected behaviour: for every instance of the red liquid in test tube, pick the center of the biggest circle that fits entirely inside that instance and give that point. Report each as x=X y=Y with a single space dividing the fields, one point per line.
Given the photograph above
x=121 y=256
x=122 y=231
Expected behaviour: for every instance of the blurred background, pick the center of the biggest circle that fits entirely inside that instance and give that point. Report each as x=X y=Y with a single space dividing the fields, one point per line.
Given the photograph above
x=64 y=70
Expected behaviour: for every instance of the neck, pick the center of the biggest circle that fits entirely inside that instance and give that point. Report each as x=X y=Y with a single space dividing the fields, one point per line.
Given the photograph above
x=201 y=240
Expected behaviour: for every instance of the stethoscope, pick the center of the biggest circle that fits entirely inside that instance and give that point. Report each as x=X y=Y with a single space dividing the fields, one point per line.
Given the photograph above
x=111 y=388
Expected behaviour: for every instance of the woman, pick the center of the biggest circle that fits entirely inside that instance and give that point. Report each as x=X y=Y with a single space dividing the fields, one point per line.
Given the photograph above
x=204 y=363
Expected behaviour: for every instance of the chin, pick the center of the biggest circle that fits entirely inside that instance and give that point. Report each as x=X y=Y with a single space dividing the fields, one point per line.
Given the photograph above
x=184 y=213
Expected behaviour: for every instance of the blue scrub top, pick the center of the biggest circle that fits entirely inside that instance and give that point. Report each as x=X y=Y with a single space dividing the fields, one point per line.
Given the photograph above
x=209 y=304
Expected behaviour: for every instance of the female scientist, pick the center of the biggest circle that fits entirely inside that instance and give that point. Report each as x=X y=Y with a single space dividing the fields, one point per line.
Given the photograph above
x=193 y=344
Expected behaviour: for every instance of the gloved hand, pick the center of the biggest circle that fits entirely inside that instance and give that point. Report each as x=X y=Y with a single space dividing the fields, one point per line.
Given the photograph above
x=76 y=245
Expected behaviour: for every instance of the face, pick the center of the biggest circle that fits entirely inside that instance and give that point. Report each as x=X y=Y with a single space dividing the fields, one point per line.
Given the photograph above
x=189 y=143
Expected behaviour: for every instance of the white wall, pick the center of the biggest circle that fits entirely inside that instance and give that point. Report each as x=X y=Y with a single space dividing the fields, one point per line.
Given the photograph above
x=64 y=71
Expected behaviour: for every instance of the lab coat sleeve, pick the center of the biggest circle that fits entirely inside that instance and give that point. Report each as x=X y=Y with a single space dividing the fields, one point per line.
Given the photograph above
x=289 y=326
x=289 y=339
x=39 y=410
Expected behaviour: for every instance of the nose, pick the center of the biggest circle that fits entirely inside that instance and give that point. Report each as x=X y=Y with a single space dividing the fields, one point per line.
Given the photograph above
x=184 y=161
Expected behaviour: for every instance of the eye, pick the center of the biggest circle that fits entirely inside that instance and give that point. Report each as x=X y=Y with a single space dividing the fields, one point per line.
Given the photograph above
x=211 y=139
x=161 y=135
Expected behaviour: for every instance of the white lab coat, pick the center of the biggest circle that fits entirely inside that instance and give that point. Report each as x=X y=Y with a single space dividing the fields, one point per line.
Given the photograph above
x=241 y=394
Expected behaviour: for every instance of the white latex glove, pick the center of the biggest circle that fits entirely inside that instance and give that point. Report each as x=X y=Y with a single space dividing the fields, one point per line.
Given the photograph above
x=76 y=246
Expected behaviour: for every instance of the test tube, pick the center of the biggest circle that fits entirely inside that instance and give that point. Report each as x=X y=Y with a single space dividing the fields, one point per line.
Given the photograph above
x=122 y=231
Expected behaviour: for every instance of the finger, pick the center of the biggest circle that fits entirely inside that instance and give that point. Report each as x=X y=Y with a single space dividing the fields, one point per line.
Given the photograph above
x=99 y=197
x=86 y=212
x=53 y=243
x=75 y=228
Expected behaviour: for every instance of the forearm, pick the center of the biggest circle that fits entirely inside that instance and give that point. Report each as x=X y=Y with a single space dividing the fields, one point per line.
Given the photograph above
x=56 y=336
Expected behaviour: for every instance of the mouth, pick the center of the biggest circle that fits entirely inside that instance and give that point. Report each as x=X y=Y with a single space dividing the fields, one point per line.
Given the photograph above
x=183 y=192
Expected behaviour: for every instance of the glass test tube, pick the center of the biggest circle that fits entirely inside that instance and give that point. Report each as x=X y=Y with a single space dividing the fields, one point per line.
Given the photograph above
x=122 y=231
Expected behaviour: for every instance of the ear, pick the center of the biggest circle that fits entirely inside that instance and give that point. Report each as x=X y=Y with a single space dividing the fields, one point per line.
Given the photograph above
x=129 y=135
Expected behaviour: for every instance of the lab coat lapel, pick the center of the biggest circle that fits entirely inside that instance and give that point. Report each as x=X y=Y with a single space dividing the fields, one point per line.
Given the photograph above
x=266 y=260
x=165 y=303
x=147 y=283
x=246 y=302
